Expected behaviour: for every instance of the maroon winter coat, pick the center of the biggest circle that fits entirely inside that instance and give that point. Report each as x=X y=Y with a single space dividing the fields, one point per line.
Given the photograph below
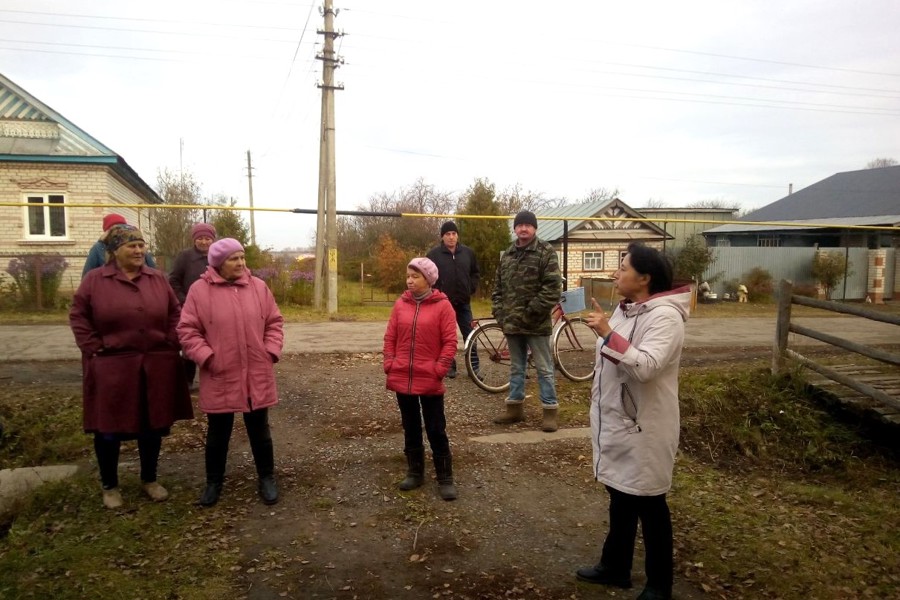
x=126 y=332
x=419 y=344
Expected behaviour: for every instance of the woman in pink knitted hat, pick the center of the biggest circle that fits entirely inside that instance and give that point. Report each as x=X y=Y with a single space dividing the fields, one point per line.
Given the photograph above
x=419 y=347
x=232 y=328
x=189 y=265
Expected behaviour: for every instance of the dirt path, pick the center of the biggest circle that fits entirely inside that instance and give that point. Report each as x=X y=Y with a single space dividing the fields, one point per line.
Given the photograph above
x=528 y=514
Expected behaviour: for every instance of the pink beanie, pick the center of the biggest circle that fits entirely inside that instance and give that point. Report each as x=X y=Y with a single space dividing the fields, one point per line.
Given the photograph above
x=201 y=229
x=220 y=251
x=426 y=267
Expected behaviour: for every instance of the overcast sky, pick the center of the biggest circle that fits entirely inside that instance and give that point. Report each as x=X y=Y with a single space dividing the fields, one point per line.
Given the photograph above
x=669 y=102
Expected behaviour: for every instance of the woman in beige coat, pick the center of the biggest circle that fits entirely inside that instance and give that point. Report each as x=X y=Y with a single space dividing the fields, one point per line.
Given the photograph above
x=635 y=418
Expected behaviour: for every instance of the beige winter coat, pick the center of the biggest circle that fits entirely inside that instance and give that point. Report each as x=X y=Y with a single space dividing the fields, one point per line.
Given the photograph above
x=634 y=397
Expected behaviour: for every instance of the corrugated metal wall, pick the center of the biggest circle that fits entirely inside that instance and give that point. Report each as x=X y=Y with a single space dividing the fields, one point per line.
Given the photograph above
x=795 y=264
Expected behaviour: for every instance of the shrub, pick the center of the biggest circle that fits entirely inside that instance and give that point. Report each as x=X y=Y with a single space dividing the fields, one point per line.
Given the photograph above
x=829 y=268
x=37 y=272
x=759 y=285
x=288 y=286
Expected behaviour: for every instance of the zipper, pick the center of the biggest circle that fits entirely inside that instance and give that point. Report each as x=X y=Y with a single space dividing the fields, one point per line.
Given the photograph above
x=412 y=347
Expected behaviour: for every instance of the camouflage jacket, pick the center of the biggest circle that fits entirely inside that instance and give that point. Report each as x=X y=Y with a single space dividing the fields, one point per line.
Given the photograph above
x=526 y=288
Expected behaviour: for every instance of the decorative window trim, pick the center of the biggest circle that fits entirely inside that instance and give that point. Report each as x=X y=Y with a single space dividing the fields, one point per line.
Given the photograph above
x=592 y=260
x=53 y=216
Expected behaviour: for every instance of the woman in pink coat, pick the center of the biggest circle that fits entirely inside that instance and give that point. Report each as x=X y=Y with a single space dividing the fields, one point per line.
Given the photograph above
x=419 y=347
x=231 y=327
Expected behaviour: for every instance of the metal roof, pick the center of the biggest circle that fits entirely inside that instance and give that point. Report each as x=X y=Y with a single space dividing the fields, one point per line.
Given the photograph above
x=551 y=230
x=56 y=140
x=864 y=197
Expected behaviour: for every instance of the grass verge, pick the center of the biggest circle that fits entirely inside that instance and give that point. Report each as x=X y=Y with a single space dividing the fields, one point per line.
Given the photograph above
x=64 y=545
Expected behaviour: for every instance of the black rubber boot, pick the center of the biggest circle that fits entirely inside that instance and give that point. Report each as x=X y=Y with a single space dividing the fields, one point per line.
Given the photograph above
x=415 y=473
x=650 y=593
x=602 y=575
x=210 y=494
x=268 y=491
x=443 y=465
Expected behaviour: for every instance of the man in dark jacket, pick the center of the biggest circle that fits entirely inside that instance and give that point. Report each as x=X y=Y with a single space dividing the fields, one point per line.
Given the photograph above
x=458 y=277
x=527 y=287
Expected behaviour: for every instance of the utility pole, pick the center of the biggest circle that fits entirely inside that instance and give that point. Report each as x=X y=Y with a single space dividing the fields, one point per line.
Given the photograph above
x=252 y=212
x=326 y=241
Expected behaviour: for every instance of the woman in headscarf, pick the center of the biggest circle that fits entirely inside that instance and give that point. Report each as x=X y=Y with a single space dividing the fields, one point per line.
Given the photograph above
x=232 y=328
x=123 y=317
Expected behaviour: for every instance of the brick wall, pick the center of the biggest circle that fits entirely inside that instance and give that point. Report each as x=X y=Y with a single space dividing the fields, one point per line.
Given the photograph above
x=611 y=250
x=79 y=184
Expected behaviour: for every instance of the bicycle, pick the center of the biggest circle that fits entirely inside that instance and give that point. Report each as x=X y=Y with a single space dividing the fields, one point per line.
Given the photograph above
x=573 y=345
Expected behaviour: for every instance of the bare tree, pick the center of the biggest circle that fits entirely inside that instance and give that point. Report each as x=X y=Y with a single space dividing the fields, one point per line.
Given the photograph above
x=655 y=203
x=601 y=193
x=358 y=236
x=513 y=199
x=713 y=203
x=173 y=225
x=880 y=163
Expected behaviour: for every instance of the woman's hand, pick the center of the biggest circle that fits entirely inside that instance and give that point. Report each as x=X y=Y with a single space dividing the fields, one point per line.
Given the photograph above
x=598 y=321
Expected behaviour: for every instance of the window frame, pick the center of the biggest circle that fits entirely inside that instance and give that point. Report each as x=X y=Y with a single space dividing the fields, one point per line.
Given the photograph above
x=47 y=206
x=584 y=260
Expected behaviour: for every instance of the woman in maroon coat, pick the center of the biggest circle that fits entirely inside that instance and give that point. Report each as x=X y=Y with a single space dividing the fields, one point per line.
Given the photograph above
x=124 y=316
x=419 y=347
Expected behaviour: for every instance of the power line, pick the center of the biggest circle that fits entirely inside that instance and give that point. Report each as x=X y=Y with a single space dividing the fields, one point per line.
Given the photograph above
x=142 y=20
x=130 y=30
x=134 y=49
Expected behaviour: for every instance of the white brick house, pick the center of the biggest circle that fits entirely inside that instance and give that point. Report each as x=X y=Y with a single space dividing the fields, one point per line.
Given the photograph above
x=592 y=244
x=49 y=163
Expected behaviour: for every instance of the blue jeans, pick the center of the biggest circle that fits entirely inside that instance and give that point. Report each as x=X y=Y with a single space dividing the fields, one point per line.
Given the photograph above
x=540 y=353
x=464 y=321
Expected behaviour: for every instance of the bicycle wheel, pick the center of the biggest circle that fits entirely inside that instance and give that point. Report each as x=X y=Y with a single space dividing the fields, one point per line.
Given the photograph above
x=574 y=349
x=487 y=358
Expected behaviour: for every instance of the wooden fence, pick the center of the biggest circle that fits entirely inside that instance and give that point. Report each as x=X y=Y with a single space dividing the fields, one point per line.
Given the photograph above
x=784 y=326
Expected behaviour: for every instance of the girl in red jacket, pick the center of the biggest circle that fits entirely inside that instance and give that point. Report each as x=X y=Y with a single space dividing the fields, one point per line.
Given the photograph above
x=419 y=347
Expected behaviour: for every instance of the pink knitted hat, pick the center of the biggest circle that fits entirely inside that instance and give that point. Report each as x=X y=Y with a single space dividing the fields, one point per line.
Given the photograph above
x=426 y=267
x=221 y=250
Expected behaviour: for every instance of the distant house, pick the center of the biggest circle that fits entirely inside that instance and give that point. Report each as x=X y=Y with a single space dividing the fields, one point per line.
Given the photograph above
x=49 y=163
x=589 y=242
x=682 y=223
x=843 y=205
x=868 y=197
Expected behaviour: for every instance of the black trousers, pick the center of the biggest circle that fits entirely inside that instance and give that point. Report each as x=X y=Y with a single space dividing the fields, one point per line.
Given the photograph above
x=190 y=370
x=430 y=409
x=107 y=449
x=625 y=510
x=218 y=437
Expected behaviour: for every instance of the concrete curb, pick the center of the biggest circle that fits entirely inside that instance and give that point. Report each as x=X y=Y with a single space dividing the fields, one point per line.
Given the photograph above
x=533 y=437
x=18 y=483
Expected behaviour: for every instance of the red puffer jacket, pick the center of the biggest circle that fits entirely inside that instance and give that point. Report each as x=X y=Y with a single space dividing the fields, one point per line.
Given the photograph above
x=419 y=344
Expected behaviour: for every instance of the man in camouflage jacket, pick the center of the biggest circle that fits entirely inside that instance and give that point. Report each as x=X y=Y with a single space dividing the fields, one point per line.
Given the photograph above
x=526 y=288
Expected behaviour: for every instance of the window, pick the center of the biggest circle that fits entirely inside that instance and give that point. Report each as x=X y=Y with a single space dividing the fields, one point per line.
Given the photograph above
x=723 y=242
x=46 y=216
x=593 y=261
x=768 y=242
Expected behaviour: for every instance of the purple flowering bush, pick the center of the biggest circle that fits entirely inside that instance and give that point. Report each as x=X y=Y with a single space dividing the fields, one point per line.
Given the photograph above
x=289 y=286
x=33 y=273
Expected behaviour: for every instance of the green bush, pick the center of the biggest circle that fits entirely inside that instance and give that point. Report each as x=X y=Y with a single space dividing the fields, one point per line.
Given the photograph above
x=759 y=285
